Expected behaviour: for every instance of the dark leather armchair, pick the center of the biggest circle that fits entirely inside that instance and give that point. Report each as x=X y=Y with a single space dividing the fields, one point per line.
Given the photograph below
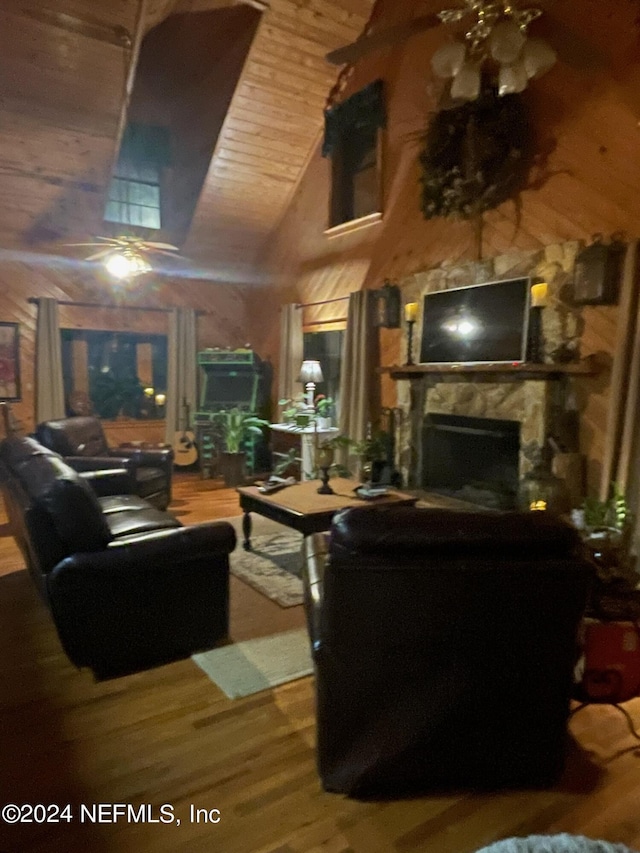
x=83 y=444
x=444 y=644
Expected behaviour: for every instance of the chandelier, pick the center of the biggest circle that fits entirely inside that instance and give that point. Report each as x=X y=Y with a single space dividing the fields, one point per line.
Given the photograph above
x=497 y=37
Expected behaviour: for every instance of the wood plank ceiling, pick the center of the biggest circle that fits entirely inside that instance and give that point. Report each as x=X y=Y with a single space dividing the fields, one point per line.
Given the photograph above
x=61 y=117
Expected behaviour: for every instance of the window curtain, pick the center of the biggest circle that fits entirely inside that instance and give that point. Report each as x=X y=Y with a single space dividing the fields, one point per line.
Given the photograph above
x=359 y=386
x=48 y=379
x=621 y=458
x=182 y=382
x=290 y=351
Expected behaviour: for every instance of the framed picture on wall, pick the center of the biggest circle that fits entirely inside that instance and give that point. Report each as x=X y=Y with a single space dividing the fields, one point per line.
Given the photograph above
x=10 y=362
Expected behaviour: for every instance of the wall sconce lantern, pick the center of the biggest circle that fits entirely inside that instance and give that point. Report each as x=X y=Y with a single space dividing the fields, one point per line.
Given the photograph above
x=388 y=306
x=596 y=273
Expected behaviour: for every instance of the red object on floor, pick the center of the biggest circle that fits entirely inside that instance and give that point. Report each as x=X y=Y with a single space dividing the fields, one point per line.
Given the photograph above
x=611 y=661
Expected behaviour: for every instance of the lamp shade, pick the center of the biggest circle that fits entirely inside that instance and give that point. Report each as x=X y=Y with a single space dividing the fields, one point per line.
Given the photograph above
x=311 y=371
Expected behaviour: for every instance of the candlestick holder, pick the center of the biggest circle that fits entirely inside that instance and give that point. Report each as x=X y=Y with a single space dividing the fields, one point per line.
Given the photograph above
x=535 y=342
x=410 y=325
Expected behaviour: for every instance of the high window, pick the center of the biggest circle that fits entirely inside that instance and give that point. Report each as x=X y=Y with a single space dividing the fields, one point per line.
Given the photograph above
x=135 y=190
x=353 y=142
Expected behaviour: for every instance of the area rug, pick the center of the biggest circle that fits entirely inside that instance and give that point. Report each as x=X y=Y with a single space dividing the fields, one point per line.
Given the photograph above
x=256 y=665
x=562 y=843
x=273 y=566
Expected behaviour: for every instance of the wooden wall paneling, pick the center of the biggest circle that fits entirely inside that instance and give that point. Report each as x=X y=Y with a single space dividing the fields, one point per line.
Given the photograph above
x=223 y=324
x=586 y=121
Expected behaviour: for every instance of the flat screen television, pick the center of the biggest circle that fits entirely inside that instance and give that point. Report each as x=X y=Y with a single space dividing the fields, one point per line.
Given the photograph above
x=477 y=324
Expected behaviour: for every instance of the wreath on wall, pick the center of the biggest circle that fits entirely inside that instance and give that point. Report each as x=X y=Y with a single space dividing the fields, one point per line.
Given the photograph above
x=476 y=156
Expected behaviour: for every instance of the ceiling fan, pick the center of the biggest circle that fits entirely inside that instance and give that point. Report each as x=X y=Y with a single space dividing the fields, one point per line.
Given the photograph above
x=125 y=257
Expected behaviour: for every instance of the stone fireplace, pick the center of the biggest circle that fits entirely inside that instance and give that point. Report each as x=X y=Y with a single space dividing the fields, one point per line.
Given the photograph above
x=465 y=415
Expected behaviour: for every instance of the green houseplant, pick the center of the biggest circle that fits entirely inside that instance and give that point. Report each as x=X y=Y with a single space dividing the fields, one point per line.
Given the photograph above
x=236 y=428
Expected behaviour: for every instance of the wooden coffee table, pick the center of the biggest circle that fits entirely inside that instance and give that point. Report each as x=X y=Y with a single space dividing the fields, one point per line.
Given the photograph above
x=303 y=509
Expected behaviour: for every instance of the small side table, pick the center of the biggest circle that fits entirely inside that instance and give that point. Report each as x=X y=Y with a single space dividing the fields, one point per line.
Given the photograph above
x=308 y=437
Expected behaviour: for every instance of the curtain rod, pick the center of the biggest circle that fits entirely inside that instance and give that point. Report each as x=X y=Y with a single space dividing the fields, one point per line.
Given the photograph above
x=327 y=322
x=34 y=300
x=324 y=301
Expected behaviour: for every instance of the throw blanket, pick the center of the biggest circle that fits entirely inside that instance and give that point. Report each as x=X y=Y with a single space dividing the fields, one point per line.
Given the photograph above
x=563 y=843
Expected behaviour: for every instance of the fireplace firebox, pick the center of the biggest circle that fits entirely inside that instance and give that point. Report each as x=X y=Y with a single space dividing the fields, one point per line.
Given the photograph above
x=472 y=459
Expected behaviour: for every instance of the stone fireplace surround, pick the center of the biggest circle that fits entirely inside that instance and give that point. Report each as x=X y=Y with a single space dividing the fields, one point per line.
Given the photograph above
x=542 y=406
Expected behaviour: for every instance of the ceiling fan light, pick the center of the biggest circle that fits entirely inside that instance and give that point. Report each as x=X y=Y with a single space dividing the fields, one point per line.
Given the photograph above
x=538 y=57
x=512 y=79
x=506 y=42
x=126 y=264
x=448 y=59
x=466 y=83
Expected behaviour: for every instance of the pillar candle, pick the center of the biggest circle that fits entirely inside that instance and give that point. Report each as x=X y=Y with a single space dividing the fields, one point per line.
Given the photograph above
x=411 y=312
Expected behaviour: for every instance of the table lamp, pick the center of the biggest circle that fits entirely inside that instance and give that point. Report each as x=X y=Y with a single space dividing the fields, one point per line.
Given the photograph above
x=310 y=376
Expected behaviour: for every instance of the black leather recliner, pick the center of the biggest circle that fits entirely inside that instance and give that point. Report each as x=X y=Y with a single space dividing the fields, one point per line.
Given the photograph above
x=83 y=444
x=444 y=644
x=127 y=585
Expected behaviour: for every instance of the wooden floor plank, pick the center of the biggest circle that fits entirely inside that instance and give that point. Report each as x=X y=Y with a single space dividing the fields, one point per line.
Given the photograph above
x=169 y=736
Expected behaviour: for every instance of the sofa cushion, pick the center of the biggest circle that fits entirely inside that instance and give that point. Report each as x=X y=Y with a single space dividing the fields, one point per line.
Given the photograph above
x=67 y=499
x=121 y=503
x=128 y=523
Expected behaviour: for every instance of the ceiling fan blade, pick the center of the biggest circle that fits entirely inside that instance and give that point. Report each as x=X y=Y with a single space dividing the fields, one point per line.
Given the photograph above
x=168 y=254
x=383 y=38
x=166 y=246
x=101 y=254
x=82 y=244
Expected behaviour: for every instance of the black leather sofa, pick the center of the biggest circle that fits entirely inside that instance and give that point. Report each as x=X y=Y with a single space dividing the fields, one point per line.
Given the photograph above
x=127 y=585
x=444 y=644
x=83 y=444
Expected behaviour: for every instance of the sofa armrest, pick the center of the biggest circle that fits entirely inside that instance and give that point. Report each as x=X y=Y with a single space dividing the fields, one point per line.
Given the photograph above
x=160 y=457
x=81 y=464
x=141 y=603
x=106 y=482
x=315 y=551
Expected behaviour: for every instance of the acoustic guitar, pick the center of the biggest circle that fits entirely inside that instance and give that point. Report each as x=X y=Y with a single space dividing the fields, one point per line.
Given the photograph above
x=185 y=451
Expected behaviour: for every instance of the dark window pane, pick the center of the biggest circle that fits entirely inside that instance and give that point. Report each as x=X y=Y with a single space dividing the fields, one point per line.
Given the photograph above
x=115 y=368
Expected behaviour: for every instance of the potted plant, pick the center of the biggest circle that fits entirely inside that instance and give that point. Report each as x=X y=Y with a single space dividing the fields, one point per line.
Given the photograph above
x=295 y=411
x=237 y=427
x=606 y=528
x=324 y=411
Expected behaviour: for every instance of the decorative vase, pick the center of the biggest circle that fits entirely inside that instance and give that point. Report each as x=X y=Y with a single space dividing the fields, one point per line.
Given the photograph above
x=324 y=461
x=323 y=422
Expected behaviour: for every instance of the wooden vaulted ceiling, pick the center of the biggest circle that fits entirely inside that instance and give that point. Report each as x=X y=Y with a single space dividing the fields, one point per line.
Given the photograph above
x=69 y=71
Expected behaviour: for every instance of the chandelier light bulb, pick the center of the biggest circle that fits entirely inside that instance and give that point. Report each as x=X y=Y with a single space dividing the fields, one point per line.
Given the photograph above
x=538 y=57
x=512 y=79
x=506 y=41
x=448 y=59
x=466 y=83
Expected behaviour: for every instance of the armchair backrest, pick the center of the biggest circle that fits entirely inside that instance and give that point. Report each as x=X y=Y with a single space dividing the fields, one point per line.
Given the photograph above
x=77 y=436
x=445 y=649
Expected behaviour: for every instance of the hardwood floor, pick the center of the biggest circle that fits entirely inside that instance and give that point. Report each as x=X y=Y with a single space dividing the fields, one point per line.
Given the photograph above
x=170 y=737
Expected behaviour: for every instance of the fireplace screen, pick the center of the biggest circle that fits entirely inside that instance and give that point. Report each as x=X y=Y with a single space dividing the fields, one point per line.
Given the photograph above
x=472 y=459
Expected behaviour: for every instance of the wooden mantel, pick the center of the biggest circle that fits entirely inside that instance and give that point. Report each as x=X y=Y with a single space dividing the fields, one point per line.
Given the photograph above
x=586 y=367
